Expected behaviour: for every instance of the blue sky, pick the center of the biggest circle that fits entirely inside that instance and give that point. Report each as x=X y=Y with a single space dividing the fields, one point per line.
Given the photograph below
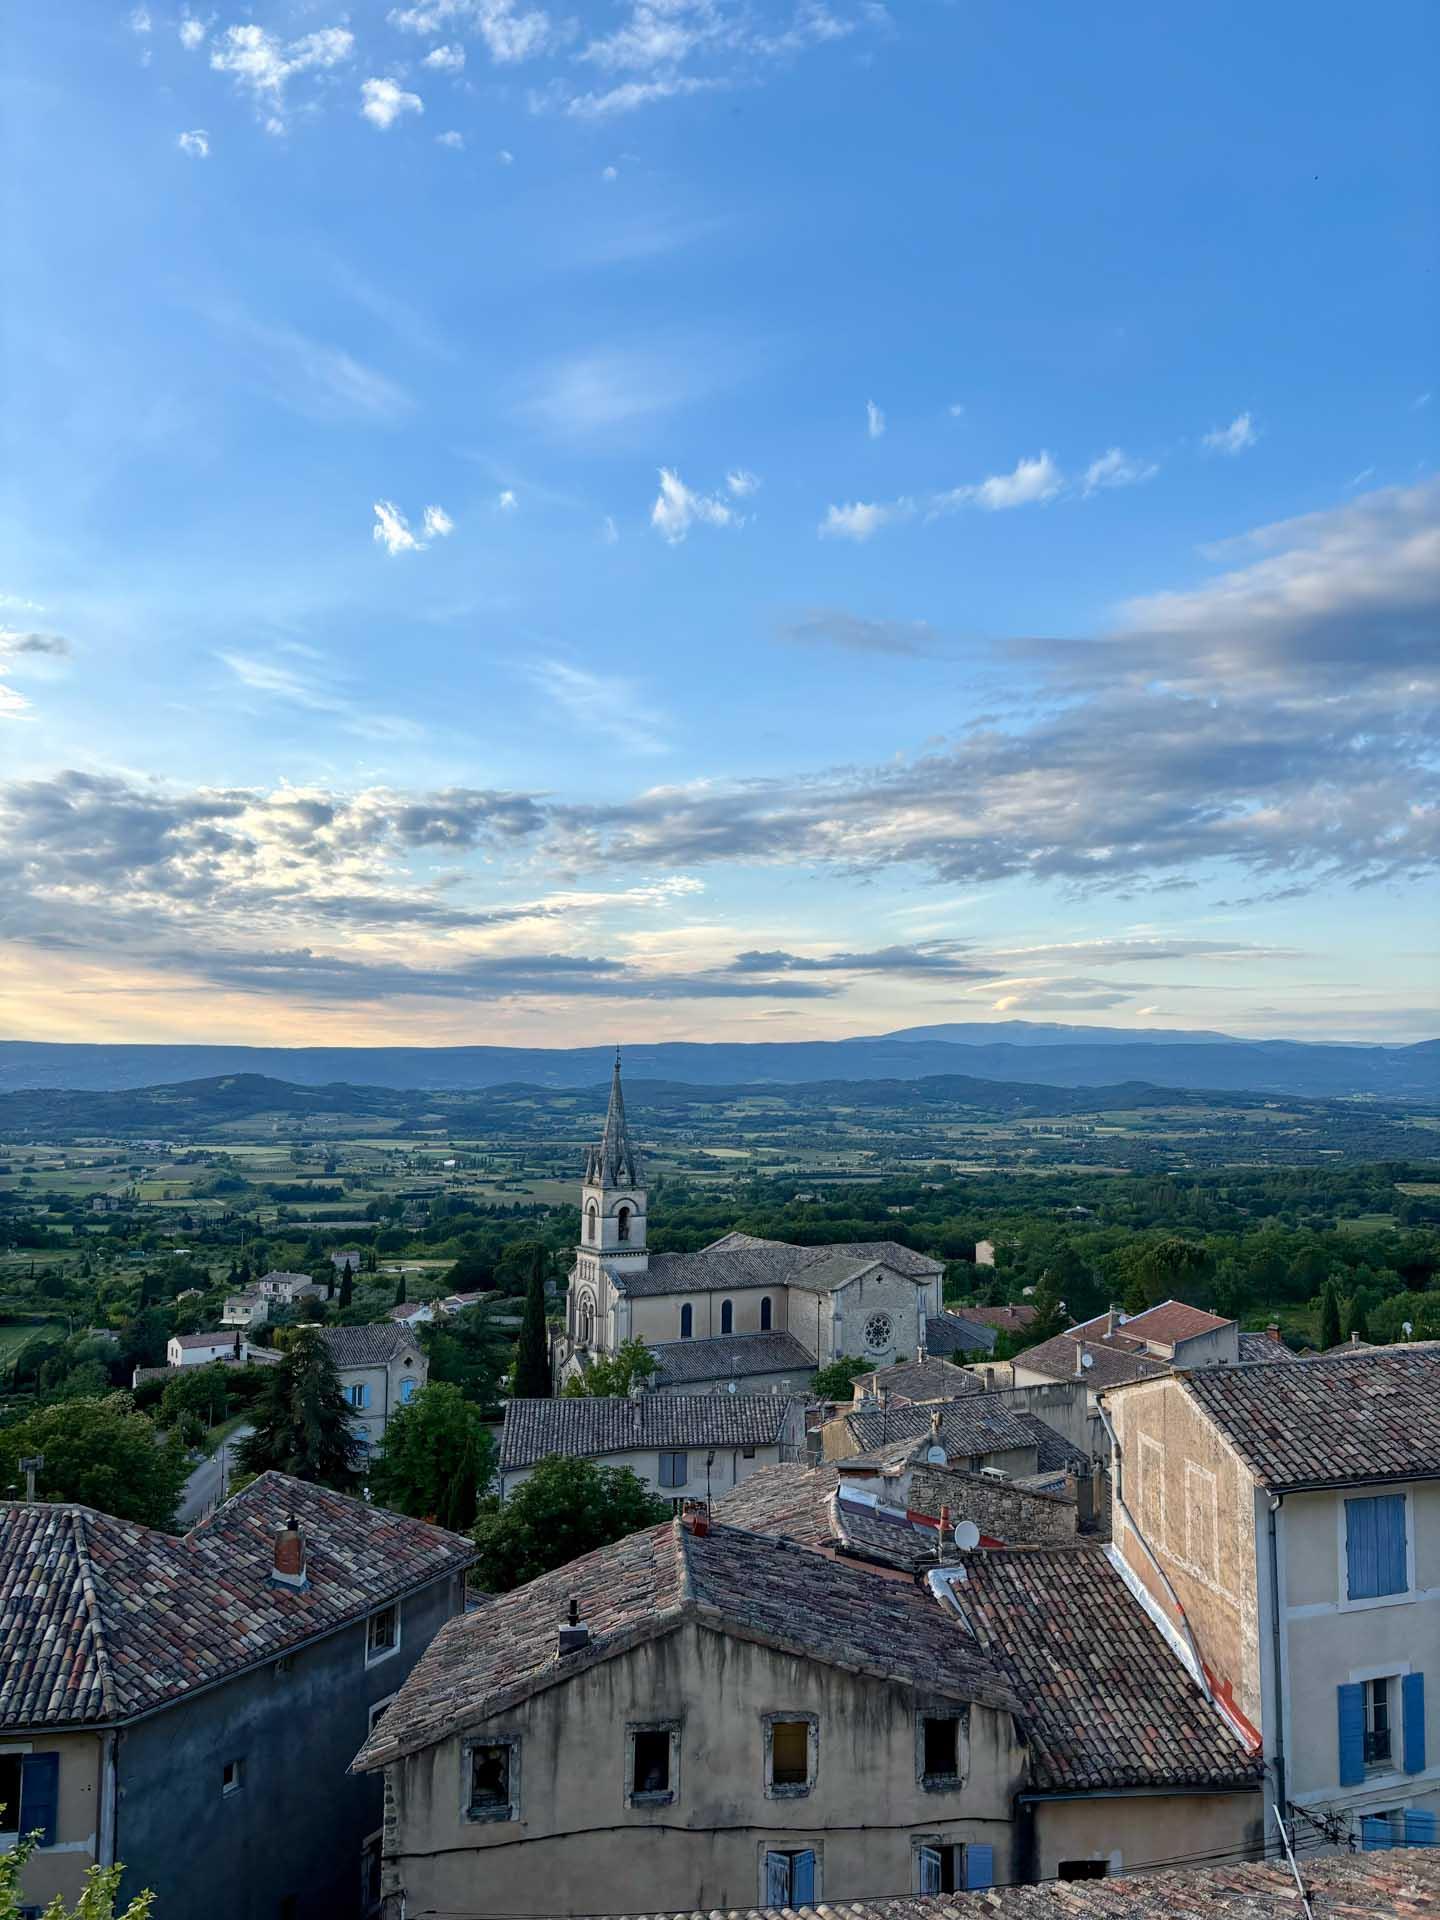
x=690 y=519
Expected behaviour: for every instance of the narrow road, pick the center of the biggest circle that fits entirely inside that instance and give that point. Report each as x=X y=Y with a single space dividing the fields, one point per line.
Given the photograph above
x=206 y=1486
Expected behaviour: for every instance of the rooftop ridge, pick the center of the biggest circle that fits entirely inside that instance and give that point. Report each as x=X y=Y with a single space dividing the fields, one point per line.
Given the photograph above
x=103 y=1666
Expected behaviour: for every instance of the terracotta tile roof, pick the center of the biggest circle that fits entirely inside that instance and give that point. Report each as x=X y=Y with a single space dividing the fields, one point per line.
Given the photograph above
x=1011 y=1319
x=1173 y=1320
x=1112 y=1360
x=918 y=1381
x=1258 y=1348
x=979 y=1423
x=1353 y=1417
x=585 y=1428
x=1399 y=1885
x=101 y=1619
x=1103 y=1699
x=733 y=1356
x=957 y=1333
x=814 y=1507
x=752 y=1587
x=193 y=1342
x=740 y=1261
x=369 y=1346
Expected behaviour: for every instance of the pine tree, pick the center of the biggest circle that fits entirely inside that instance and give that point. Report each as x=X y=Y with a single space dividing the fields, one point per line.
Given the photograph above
x=532 y=1355
x=302 y=1420
x=347 y=1287
x=1329 y=1317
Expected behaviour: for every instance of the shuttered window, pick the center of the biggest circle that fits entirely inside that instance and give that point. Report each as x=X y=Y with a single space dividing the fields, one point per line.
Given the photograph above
x=1412 y=1694
x=979 y=1867
x=790 y=1878
x=1375 y=1546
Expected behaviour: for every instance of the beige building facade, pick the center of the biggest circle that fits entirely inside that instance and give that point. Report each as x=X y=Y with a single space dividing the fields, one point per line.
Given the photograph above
x=381 y=1369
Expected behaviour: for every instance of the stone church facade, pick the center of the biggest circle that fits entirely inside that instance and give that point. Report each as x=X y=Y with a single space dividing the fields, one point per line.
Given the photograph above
x=760 y=1314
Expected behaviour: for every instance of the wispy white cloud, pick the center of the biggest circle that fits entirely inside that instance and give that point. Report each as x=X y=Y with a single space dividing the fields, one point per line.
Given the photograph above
x=1032 y=483
x=1423 y=400
x=453 y=140
x=1240 y=434
x=196 y=143
x=609 y=532
x=677 y=508
x=874 y=420
x=507 y=502
x=955 y=409
x=301 y=679
x=1117 y=469
x=505 y=157
x=311 y=377
x=262 y=64
x=609 y=174
x=602 y=704
x=393 y=531
x=631 y=94
x=192 y=34
x=449 y=59
x=607 y=388
x=742 y=483
x=862 y=519
x=383 y=102
x=140 y=20
x=509 y=34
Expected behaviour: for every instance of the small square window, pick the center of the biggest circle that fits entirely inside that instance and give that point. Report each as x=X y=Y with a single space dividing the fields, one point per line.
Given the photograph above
x=382 y=1634
x=747 y=1453
x=230 y=1777
x=492 y=1774
x=674 y=1469
x=653 y=1766
x=939 y=1750
x=791 y=1743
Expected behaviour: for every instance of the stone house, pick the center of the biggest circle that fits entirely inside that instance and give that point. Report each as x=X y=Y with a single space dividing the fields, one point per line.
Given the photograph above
x=696 y=1717
x=201 y=1349
x=757 y=1312
x=190 y=1706
x=979 y=1430
x=245 y=1309
x=1282 y=1523
x=284 y=1289
x=380 y=1368
x=684 y=1445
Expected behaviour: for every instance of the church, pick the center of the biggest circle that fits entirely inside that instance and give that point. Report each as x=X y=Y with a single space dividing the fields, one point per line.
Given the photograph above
x=742 y=1315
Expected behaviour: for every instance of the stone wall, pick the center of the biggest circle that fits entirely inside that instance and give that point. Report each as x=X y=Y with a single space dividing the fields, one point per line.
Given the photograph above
x=1013 y=1514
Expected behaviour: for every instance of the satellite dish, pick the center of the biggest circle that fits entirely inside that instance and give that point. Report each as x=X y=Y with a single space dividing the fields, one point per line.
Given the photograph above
x=967 y=1535
x=734 y=1387
x=1087 y=1359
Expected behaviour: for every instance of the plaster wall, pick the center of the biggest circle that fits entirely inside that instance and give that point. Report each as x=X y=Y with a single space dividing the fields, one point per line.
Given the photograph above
x=657 y=1318
x=384 y=1383
x=1128 y=1831
x=575 y=1836
x=729 y=1468
x=61 y=1868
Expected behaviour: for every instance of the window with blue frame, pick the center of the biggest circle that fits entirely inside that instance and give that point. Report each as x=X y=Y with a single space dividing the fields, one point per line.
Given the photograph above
x=789 y=1878
x=1371 y=1739
x=1375 y=1559
x=30 y=1793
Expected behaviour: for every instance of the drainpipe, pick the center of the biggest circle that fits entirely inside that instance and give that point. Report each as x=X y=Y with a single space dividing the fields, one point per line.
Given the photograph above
x=1118 y=1480
x=106 y=1855
x=1281 y=1805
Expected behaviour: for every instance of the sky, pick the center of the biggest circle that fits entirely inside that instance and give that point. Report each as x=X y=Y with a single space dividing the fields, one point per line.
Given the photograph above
x=716 y=519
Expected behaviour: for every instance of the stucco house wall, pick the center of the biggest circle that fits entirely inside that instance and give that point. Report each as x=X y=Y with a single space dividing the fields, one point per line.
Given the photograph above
x=657 y=1318
x=1194 y=1502
x=575 y=1833
x=1218 y=1348
x=297 y=1824
x=385 y=1386
x=1129 y=1831
x=729 y=1468
x=61 y=1868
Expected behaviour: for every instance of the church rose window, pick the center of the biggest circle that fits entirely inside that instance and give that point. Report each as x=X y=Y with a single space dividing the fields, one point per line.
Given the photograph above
x=879 y=1333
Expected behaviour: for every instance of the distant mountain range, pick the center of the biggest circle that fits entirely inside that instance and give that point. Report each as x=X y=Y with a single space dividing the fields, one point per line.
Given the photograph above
x=1009 y=1051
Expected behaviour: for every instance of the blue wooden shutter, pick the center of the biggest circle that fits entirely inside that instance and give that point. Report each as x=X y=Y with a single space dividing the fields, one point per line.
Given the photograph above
x=777 y=1880
x=979 y=1867
x=40 y=1795
x=1390 y=1541
x=1376 y=1833
x=802 y=1879
x=1352 y=1733
x=1419 y=1827
x=1375 y=1546
x=1412 y=1692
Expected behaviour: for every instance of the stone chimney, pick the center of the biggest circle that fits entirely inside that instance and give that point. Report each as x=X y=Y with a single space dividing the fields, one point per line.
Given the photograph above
x=573 y=1637
x=1274 y=1332
x=696 y=1518
x=289 y=1567
x=1079 y=1359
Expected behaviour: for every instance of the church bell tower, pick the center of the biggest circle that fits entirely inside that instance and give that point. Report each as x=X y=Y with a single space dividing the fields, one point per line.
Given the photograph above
x=612 y=1199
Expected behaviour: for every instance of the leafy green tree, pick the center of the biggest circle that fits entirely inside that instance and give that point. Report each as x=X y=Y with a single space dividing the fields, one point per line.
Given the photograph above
x=468 y=1350
x=567 y=1507
x=436 y=1460
x=98 y=1453
x=1357 y=1323
x=199 y=1392
x=532 y=1355
x=1164 y=1270
x=614 y=1374
x=1329 y=1317
x=302 y=1420
x=836 y=1381
x=98 y=1894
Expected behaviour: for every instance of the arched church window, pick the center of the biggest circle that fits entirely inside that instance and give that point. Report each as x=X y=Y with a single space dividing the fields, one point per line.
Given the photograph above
x=765 y=1313
x=622 y=1224
x=587 y=1320
x=687 y=1321
x=727 y=1316
x=590 y=1219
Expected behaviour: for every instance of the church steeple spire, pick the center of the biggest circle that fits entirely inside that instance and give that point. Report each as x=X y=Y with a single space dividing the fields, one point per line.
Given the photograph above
x=614 y=1161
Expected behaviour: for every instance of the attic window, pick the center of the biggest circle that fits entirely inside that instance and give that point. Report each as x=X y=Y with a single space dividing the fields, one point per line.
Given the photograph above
x=653 y=1765
x=791 y=1744
x=491 y=1772
x=939 y=1756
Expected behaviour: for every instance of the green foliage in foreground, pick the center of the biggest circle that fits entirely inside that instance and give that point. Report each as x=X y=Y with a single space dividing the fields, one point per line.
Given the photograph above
x=614 y=1373
x=96 y=1902
x=436 y=1460
x=567 y=1507
x=302 y=1420
x=98 y=1453
x=835 y=1381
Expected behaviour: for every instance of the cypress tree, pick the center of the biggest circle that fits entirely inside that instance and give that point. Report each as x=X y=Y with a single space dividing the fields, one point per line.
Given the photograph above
x=532 y=1354
x=1329 y=1317
x=400 y=1289
x=347 y=1286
